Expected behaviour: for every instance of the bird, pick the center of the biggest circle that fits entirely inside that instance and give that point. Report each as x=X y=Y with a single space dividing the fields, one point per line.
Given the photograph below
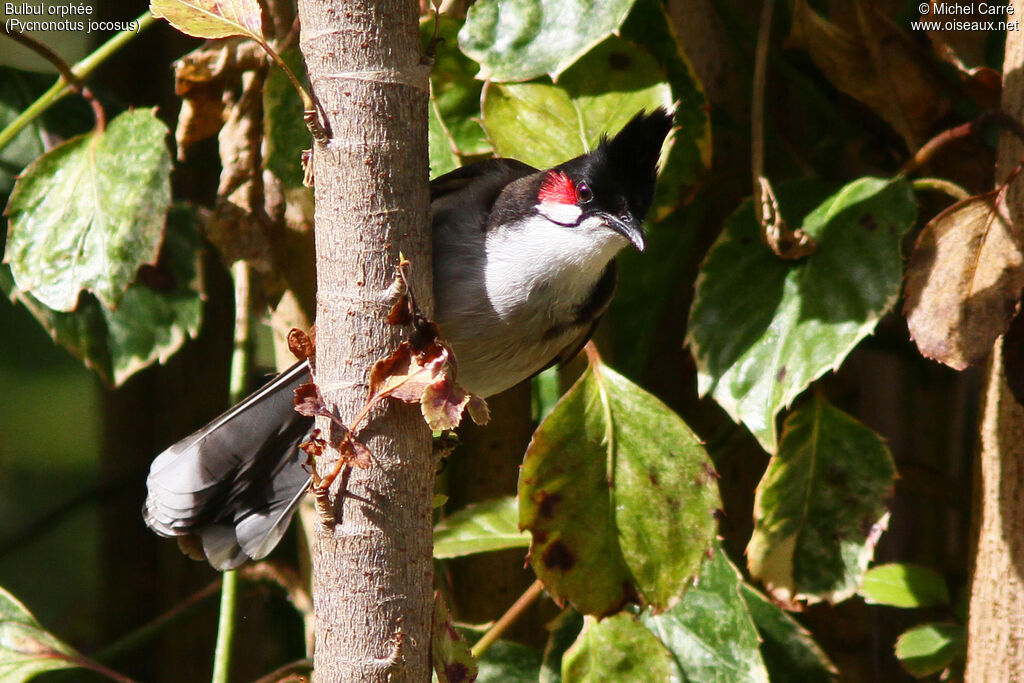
x=523 y=270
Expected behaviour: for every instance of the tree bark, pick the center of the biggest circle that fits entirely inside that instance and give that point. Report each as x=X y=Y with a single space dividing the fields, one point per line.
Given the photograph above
x=995 y=649
x=372 y=567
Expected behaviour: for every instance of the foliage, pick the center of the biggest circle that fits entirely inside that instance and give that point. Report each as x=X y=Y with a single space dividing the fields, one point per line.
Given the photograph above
x=618 y=495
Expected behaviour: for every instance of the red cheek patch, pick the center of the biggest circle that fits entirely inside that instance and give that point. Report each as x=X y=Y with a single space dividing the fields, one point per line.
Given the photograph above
x=557 y=188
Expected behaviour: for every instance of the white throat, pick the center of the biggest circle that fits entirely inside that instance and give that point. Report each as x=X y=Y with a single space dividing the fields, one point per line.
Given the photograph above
x=537 y=256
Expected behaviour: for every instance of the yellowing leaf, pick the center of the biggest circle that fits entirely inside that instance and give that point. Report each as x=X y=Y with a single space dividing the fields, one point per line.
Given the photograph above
x=964 y=279
x=212 y=18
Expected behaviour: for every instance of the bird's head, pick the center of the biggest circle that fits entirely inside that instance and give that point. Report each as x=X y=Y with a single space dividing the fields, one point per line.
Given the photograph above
x=613 y=185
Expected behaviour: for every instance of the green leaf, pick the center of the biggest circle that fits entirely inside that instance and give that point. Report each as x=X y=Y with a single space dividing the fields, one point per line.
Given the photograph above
x=564 y=630
x=904 y=585
x=480 y=528
x=930 y=648
x=516 y=40
x=156 y=314
x=440 y=145
x=452 y=660
x=619 y=495
x=544 y=124
x=211 y=18
x=284 y=130
x=619 y=649
x=455 y=91
x=507 y=662
x=710 y=633
x=25 y=648
x=89 y=213
x=820 y=507
x=790 y=653
x=762 y=328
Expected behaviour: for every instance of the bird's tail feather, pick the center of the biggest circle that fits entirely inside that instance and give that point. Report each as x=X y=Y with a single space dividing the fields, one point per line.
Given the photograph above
x=236 y=482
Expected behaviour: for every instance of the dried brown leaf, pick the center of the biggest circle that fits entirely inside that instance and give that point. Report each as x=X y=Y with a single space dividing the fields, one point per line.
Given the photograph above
x=300 y=344
x=478 y=410
x=354 y=453
x=309 y=401
x=201 y=79
x=401 y=312
x=442 y=404
x=876 y=64
x=964 y=280
x=314 y=448
x=404 y=375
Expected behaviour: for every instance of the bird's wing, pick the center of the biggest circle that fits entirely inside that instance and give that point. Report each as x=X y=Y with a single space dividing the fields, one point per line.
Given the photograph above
x=489 y=176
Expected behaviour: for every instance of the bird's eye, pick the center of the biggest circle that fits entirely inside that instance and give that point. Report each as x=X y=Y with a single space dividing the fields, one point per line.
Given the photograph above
x=584 y=192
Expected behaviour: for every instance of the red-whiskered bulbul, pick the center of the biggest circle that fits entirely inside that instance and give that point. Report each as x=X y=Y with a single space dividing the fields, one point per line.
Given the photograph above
x=523 y=269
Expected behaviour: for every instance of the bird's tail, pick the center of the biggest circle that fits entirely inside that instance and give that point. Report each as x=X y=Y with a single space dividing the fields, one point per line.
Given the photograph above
x=235 y=483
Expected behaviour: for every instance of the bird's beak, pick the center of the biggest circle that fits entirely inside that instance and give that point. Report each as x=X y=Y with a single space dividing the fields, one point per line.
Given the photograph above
x=629 y=227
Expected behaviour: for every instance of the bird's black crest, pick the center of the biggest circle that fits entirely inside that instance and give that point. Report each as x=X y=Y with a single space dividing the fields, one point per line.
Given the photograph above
x=632 y=155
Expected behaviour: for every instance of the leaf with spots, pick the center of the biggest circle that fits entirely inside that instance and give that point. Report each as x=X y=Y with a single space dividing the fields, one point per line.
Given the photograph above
x=964 y=279
x=619 y=496
x=452 y=660
x=820 y=507
x=710 y=633
x=90 y=212
x=761 y=329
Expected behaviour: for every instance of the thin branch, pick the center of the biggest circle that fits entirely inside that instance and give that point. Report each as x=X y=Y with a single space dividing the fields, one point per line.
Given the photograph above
x=80 y=70
x=940 y=185
x=49 y=55
x=757 y=99
x=143 y=634
x=508 y=618
x=965 y=130
x=295 y=667
x=73 y=81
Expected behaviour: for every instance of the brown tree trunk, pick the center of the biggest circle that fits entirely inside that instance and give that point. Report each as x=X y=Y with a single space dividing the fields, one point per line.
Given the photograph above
x=372 y=568
x=995 y=649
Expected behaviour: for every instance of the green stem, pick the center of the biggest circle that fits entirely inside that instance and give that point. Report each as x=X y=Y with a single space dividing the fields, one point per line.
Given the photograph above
x=62 y=87
x=940 y=185
x=239 y=368
x=225 y=627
